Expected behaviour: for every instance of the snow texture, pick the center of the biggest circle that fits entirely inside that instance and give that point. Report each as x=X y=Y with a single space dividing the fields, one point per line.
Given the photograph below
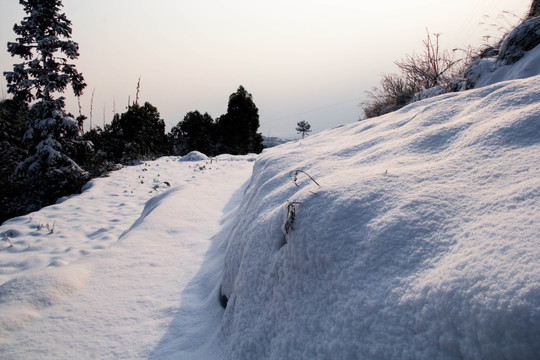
x=422 y=241
x=194 y=156
x=113 y=273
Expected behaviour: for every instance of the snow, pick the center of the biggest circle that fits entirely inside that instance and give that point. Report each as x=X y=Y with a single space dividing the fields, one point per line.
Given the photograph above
x=109 y=279
x=489 y=71
x=416 y=237
x=194 y=156
x=421 y=241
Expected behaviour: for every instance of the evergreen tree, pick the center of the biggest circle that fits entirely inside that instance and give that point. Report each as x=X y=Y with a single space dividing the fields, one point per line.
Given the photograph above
x=141 y=132
x=52 y=136
x=176 y=141
x=303 y=127
x=195 y=132
x=13 y=116
x=238 y=127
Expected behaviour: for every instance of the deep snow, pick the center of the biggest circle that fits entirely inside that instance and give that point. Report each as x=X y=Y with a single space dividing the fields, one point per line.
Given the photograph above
x=91 y=290
x=418 y=238
x=422 y=241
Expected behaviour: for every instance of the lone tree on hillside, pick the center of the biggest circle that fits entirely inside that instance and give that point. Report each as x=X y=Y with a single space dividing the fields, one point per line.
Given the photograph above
x=52 y=137
x=303 y=127
x=238 y=127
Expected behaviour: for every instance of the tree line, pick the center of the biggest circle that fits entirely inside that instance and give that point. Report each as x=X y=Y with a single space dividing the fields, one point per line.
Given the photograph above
x=44 y=154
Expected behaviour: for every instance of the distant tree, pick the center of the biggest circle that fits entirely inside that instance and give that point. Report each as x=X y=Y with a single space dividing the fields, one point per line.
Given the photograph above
x=176 y=141
x=195 y=132
x=237 y=129
x=303 y=127
x=108 y=150
x=140 y=133
x=52 y=136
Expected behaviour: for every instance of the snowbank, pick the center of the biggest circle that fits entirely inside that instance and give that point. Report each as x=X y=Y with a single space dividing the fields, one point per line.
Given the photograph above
x=421 y=242
x=83 y=224
x=490 y=71
x=517 y=58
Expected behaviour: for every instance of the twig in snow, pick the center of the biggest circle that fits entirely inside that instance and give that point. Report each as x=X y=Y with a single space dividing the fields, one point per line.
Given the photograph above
x=291 y=214
x=294 y=177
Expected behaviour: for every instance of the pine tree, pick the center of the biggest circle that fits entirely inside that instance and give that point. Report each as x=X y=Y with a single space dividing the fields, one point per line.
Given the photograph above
x=303 y=127
x=197 y=133
x=238 y=127
x=141 y=132
x=52 y=137
x=13 y=116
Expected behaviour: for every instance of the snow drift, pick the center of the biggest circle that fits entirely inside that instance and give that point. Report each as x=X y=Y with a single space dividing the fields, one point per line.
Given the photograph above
x=421 y=242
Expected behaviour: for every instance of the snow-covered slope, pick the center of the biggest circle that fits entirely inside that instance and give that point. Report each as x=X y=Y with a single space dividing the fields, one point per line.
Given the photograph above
x=421 y=242
x=517 y=57
x=415 y=235
x=490 y=71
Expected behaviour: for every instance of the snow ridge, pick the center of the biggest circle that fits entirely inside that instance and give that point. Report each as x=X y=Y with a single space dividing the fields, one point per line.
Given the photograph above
x=421 y=242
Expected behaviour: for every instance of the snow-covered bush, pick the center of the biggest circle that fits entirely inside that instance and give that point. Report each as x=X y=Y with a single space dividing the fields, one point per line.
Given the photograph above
x=521 y=39
x=194 y=156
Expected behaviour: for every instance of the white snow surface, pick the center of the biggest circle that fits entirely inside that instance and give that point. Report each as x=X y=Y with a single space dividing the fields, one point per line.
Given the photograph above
x=194 y=156
x=421 y=242
x=113 y=280
x=418 y=238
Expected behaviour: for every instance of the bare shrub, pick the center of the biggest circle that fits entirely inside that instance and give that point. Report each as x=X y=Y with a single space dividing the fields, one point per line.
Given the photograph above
x=432 y=67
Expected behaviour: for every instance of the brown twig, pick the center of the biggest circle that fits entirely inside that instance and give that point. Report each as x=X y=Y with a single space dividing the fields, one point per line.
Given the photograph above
x=295 y=176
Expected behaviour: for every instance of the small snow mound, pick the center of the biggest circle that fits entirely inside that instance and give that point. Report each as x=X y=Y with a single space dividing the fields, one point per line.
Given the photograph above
x=194 y=156
x=23 y=299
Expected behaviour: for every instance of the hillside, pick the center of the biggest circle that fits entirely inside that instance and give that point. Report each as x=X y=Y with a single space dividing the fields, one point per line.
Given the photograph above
x=414 y=235
x=421 y=242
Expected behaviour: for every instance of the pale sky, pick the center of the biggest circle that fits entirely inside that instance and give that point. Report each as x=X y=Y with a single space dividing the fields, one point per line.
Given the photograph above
x=307 y=60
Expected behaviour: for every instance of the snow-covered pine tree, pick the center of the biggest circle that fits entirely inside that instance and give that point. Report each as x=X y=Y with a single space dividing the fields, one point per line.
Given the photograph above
x=52 y=137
